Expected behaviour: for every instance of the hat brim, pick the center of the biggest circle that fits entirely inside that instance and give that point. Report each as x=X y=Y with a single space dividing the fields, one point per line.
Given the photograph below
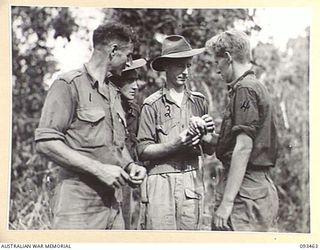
x=157 y=63
x=135 y=64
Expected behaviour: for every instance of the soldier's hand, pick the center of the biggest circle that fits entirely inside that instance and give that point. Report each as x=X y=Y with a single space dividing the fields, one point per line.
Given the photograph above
x=188 y=138
x=209 y=123
x=222 y=215
x=197 y=125
x=137 y=174
x=112 y=175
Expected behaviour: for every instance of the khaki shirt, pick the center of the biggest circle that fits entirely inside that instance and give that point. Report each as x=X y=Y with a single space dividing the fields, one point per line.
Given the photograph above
x=88 y=117
x=249 y=111
x=132 y=111
x=162 y=119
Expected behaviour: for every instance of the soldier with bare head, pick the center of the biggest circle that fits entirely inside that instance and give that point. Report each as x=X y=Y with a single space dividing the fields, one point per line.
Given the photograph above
x=247 y=144
x=82 y=129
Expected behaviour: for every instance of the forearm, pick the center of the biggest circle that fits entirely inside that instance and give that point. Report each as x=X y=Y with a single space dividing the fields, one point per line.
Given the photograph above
x=127 y=158
x=58 y=152
x=159 y=151
x=239 y=161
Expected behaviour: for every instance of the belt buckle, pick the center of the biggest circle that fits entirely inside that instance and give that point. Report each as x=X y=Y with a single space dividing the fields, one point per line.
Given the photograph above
x=187 y=167
x=183 y=166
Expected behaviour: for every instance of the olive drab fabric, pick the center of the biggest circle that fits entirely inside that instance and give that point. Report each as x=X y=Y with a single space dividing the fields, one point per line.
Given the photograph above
x=172 y=195
x=250 y=111
x=88 y=117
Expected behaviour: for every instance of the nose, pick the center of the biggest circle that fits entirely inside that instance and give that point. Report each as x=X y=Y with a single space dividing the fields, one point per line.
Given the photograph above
x=185 y=71
x=135 y=85
x=129 y=60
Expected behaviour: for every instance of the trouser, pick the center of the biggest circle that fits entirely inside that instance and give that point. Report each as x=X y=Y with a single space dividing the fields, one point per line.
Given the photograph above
x=174 y=201
x=256 y=204
x=77 y=205
x=126 y=206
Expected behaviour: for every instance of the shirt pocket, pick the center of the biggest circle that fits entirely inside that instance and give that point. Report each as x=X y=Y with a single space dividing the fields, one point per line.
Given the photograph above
x=191 y=194
x=166 y=131
x=254 y=206
x=253 y=193
x=90 y=127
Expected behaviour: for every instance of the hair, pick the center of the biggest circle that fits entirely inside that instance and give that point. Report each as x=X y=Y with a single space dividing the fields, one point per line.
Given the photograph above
x=235 y=42
x=126 y=74
x=111 y=31
x=120 y=80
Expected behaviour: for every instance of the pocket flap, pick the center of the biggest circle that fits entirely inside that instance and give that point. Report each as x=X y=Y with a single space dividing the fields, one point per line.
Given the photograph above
x=192 y=194
x=160 y=129
x=165 y=128
x=253 y=193
x=90 y=115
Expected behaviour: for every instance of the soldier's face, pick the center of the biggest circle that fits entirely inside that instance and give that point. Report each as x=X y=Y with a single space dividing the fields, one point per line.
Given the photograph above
x=130 y=86
x=177 y=71
x=122 y=55
x=224 y=68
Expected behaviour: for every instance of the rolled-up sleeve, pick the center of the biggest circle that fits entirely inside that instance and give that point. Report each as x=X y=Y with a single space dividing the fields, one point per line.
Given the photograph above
x=147 y=128
x=57 y=113
x=246 y=112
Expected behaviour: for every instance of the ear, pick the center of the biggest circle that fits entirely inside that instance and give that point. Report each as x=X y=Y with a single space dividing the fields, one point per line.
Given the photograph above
x=228 y=55
x=114 y=48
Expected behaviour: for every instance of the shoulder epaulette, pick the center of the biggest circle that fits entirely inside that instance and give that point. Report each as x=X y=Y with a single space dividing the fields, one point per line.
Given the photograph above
x=153 y=97
x=247 y=83
x=69 y=76
x=197 y=94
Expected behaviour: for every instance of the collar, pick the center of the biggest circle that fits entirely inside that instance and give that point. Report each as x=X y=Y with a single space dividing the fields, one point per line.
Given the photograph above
x=131 y=108
x=189 y=94
x=94 y=82
x=111 y=84
x=166 y=95
x=231 y=86
x=105 y=89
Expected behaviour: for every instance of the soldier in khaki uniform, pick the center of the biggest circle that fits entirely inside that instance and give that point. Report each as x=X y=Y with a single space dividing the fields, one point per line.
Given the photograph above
x=128 y=87
x=247 y=144
x=82 y=129
x=174 y=128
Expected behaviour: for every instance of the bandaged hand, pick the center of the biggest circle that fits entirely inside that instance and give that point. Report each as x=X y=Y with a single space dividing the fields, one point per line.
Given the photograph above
x=197 y=125
x=210 y=125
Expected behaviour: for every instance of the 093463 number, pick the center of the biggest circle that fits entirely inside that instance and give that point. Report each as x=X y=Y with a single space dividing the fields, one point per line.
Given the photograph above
x=308 y=246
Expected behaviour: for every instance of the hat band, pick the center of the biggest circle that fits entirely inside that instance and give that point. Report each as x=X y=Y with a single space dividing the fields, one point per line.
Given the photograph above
x=177 y=50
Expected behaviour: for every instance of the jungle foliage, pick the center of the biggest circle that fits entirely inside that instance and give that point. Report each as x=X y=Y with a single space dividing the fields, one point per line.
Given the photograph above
x=285 y=73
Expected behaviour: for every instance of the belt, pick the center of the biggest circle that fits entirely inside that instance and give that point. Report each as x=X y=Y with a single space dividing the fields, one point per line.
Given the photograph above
x=250 y=167
x=174 y=167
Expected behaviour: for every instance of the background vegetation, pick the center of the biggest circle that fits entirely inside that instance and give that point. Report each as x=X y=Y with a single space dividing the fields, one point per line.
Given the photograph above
x=285 y=73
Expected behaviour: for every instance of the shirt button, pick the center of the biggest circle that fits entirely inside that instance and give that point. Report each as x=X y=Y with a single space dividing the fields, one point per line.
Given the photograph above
x=182 y=125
